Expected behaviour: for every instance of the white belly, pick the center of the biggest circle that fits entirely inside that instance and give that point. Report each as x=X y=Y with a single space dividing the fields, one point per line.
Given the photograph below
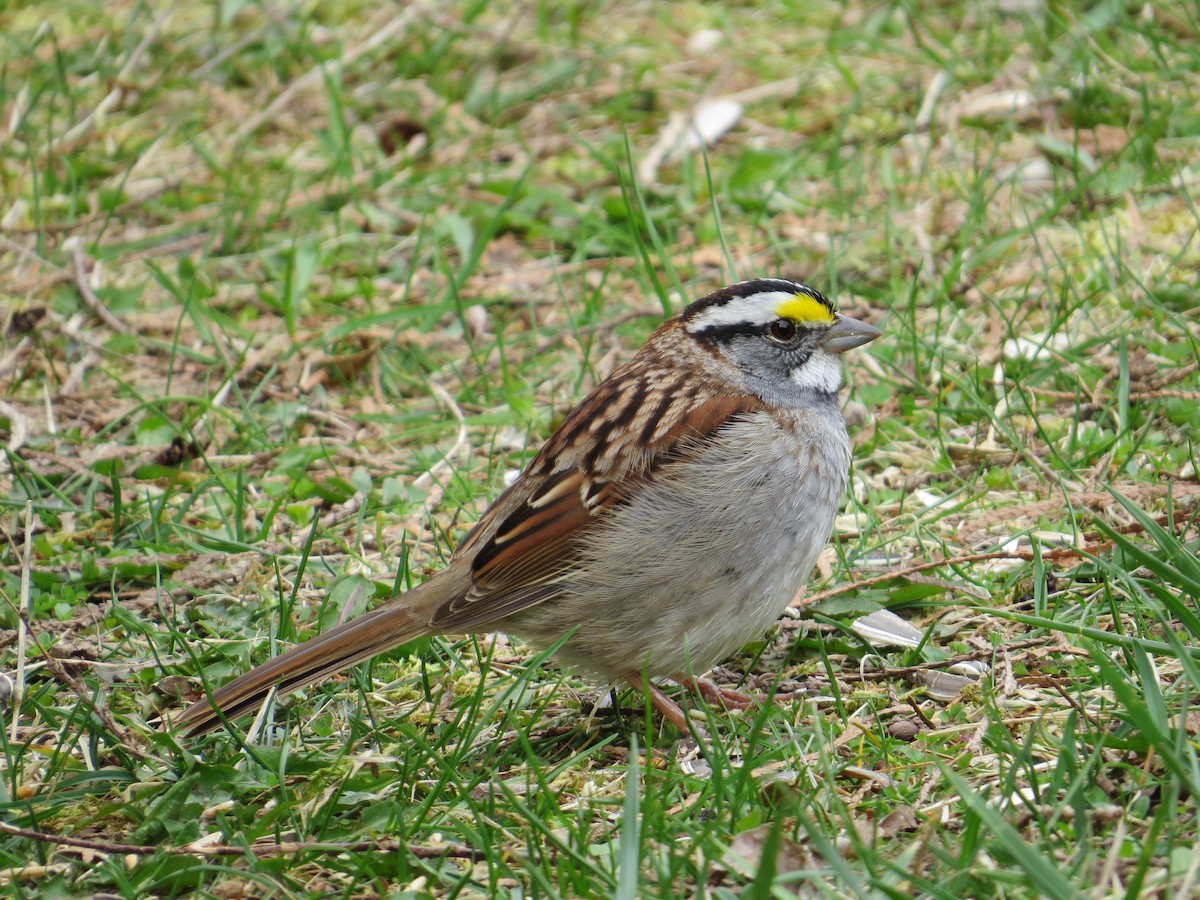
x=707 y=557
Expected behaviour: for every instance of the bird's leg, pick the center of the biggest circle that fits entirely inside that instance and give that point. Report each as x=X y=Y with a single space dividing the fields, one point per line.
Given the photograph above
x=668 y=708
x=724 y=698
x=715 y=694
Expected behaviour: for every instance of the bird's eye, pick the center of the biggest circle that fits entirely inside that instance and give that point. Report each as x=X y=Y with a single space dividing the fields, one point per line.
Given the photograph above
x=782 y=330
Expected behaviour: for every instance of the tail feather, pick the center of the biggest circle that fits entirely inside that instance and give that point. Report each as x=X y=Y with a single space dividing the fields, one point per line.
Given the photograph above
x=376 y=632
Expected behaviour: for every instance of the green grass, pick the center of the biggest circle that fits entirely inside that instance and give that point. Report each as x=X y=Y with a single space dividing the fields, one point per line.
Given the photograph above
x=363 y=257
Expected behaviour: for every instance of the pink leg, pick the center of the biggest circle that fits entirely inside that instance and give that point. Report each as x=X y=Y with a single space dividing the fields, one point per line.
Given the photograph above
x=717 y=695
x=667 y=707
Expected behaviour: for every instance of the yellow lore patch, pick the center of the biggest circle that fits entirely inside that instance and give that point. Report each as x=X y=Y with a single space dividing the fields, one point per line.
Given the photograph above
x=803 y=308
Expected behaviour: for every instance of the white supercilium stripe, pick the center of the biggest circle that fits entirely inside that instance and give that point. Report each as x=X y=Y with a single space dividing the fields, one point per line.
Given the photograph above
x=757 y=309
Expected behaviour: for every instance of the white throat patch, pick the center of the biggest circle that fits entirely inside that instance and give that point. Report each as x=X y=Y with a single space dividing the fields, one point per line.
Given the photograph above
x=822 y=372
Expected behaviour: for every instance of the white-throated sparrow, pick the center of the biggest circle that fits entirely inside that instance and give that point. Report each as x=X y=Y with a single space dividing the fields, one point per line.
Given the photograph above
x=668 y=521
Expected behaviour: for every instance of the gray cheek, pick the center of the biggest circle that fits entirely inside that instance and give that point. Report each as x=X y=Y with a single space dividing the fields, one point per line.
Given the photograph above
x=785 y=377
x=760 y=358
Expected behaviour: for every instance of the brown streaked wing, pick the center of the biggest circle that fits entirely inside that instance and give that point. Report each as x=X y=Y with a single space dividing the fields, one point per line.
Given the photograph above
x=532 y=540
x=546 y=511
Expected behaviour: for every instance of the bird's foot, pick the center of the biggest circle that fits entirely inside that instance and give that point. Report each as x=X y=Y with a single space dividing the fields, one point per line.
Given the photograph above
x=713 y=693
x=667 y=708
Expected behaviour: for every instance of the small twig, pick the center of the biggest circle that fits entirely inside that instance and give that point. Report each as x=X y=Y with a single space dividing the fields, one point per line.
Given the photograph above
x=28 y=254
x=288 y=848
x=1171 y=394
x=344 y=511
x=51 y=423
x=78 y=371
x=25 y=601
x=428 y=480
x=933 y=91
x=79 y=269
x=1172 y=377
x=315 y=75
x=771 y=90
x=1092 y=544
x=886 y=671
x=1028 y=555
x=1158 y=389
x=18 y=431
x=1077 y=706
x=113 y=97
x=8 y=361
x=54 y=664
x=916 y=708
x=1046 y=469
x=169 y=184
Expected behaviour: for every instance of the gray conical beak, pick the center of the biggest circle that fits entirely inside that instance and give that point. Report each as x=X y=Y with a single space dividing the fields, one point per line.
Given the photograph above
x=847 y=333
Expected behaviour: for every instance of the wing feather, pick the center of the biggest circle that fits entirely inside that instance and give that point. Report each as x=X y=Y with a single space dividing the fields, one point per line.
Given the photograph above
x=526 y=543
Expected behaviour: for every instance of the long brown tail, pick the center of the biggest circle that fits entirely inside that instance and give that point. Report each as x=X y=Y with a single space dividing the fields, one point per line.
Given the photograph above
x=398 y=621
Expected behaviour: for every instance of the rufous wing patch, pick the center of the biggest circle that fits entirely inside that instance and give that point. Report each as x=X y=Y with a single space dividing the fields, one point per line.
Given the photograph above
x=534 y=542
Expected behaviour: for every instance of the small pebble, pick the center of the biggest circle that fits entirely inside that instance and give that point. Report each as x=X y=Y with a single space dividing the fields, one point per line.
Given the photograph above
x=904 y=729
x=704 y=41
